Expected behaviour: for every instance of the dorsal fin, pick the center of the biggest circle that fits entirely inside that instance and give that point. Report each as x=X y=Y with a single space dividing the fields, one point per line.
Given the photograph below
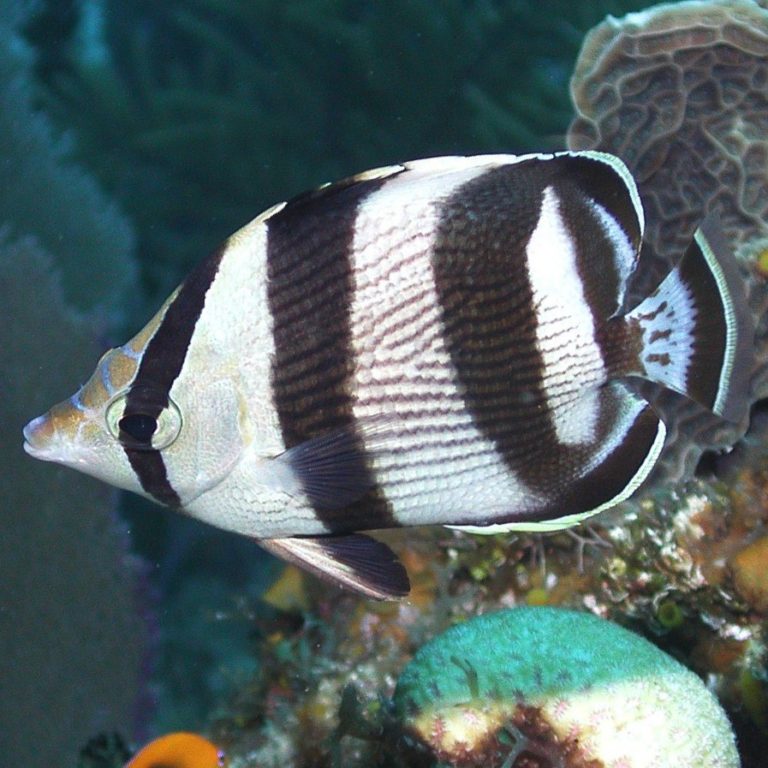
x=326 y=192
x=600 y=206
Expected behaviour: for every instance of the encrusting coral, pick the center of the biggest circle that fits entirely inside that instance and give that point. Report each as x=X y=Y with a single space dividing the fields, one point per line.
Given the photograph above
x=565 y=689
x=680 y=92
x=178 y=750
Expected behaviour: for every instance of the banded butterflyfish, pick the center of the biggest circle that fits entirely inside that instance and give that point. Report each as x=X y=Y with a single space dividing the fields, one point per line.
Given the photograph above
x=444 y=341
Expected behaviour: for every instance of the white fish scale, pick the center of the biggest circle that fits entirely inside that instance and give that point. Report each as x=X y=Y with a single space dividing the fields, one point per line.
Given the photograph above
x=251 y=507
x=573 y=366
x=240 y=320
x=565 y=327
x=410 y=335
x=404 y=330
x=450 y=467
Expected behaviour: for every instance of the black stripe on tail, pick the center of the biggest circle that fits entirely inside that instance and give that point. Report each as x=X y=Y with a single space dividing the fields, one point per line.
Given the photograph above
x=696 y=328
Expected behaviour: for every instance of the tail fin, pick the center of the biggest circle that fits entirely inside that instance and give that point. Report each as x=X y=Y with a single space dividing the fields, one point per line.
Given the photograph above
x=697 y=333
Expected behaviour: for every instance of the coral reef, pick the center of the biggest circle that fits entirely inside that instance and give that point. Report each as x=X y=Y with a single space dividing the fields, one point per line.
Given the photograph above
x=196 y=142
x=680 y=93
x=564 y=688
x=666 y=568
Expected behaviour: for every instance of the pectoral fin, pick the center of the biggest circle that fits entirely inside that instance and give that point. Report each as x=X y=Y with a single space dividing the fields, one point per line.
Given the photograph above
x=355 y=562
x=333 y=469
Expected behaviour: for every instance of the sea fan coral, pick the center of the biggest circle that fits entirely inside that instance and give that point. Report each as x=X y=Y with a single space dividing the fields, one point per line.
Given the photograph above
x=73 y=644
x=44 y=194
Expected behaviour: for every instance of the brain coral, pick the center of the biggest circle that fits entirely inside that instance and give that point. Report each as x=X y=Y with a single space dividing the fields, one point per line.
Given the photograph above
x=552 y=687
x=680 y=93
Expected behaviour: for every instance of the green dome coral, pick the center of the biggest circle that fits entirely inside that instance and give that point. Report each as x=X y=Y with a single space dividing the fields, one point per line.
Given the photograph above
x=565 y=689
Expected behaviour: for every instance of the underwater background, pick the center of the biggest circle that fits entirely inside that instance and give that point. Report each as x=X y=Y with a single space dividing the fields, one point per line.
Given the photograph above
x=135 y=136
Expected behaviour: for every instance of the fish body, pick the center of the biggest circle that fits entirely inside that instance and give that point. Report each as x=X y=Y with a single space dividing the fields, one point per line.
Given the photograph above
x=444 y=341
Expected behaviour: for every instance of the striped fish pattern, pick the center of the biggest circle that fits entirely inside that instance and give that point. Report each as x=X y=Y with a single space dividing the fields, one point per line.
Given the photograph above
x=444 y=341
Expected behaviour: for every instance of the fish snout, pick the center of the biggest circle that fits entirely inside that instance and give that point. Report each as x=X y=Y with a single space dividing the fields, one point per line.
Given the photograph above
x=38 y=436
x=48 y=436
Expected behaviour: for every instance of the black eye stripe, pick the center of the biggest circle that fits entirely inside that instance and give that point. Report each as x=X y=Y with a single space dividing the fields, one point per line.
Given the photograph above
x=139 y=427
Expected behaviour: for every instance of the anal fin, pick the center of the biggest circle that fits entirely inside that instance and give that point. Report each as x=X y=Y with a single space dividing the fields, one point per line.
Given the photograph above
x=355 y=562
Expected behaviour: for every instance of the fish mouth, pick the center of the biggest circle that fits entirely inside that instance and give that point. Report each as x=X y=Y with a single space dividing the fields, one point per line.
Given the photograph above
x=38 y=435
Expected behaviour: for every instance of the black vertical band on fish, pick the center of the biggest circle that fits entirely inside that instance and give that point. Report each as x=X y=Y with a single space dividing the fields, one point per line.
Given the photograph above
x=310 y=289
x=488 y=316
x=160 y=365
x=581 y=186
x=153 y=476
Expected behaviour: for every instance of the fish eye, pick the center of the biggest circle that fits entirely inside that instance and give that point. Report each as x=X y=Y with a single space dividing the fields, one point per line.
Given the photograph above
x=139 y=426
x=141 y=429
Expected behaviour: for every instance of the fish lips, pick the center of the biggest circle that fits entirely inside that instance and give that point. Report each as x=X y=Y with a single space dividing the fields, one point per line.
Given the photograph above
x=38 y=436
x=43 y=441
